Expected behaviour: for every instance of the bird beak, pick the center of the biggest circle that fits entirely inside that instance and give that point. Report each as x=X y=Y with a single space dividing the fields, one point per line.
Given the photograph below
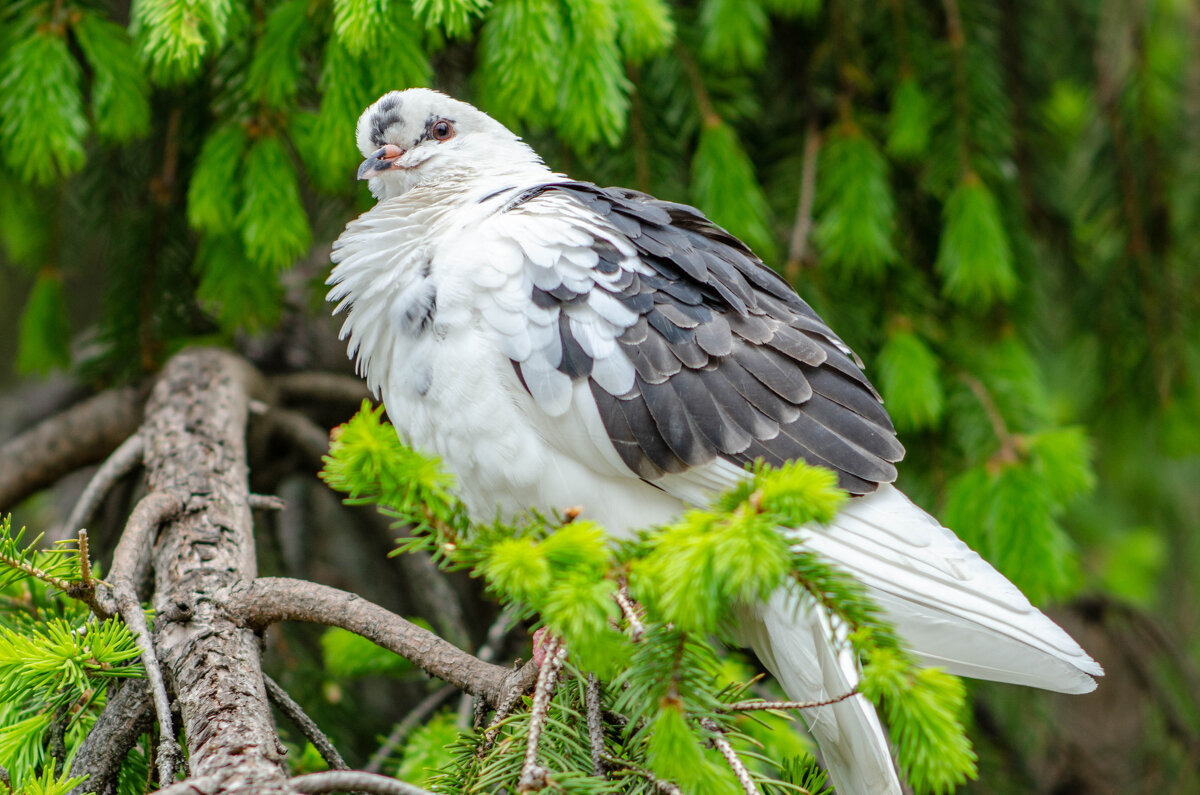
x=381 y=159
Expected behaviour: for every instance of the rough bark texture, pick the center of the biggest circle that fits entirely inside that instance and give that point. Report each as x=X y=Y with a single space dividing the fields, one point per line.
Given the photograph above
x=126 y=716
x=82 y=435
x=195 y=447
x=274 y=599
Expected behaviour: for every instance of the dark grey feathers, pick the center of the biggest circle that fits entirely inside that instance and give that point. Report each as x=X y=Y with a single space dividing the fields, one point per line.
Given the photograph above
x=729 y=361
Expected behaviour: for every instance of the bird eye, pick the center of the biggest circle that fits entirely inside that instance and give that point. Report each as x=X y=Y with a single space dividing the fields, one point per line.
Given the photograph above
x=443 y=130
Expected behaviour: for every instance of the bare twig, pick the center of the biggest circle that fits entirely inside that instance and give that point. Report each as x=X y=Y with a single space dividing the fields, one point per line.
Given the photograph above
x=798 y=247
x=344 y=780
x=630 y=611
x=85 y=560
x=266 y=502
x=131 y=613
x=750 y=706
x=273 y=599
x=962 y=97
x=1008 y=448
x=81 y=435
x=131 y=559
x=730 y=756
x=122 y=461
x=595 y=724
x=320 y=388
x=533 y=777
x=307 y=726
x=413 y=719
x=309 y=438
x=665 y=787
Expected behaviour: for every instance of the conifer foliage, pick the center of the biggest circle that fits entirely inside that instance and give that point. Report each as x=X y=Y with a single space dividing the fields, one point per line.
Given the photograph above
x=996 y=204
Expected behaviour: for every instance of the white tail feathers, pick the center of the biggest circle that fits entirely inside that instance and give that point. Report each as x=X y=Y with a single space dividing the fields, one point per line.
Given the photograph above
x=796 y=640
x=949 y=605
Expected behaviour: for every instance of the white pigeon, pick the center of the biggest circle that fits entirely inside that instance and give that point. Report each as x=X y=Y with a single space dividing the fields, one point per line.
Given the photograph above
x=561 y=344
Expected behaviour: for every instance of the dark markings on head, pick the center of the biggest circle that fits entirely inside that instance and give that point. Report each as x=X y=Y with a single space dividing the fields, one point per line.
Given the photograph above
x=427 y=133
x=385 y=116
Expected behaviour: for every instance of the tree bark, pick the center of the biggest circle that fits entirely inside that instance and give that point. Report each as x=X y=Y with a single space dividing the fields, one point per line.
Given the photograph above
x=195 y=432
x=81 y=435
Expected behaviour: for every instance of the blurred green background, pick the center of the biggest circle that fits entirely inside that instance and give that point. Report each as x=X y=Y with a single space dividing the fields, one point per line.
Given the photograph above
x=996 y=203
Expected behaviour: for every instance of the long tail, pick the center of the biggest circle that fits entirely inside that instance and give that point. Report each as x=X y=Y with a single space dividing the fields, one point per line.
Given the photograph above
x=796 y=640
x=948 y=604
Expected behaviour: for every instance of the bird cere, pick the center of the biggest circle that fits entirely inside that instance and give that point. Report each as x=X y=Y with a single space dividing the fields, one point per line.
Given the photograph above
x=561 y=344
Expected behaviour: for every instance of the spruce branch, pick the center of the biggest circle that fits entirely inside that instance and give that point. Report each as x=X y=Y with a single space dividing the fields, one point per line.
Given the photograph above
x=266 y=502
x=755 y=705
x=730 y=756
x=533 y=776
x=631 y=611
x=595 y=724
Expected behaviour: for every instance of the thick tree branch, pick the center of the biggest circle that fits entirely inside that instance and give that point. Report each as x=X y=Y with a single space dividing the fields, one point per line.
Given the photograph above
x=81 y=435
x=272 y=599
x=343 y=780
x=195 y=446
x=126 y=717
x=320 y=388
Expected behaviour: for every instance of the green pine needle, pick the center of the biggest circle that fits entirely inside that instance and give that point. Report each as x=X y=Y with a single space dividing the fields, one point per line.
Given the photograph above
x=42 y=126
x=726 y=188
x=214 y=193
x=272 y=219
x=452 y=16
x=593 y=97
x=910 y=381
x=923 y=709
x=120 y=89
x=646 y=28
x=855 y=211
x=734 y=34
x=241 y=294
x=909 y=121
x=521 y=49
x=274 y=76
x=176 y=35
x=974 y=257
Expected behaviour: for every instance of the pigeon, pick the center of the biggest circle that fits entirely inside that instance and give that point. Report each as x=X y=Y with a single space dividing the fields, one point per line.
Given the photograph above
x=559 y=344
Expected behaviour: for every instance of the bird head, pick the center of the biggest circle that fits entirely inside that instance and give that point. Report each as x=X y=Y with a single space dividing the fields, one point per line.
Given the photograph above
x=419 y=136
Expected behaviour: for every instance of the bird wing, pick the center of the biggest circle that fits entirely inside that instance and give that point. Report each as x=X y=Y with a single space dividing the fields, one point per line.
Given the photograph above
x=693 y=350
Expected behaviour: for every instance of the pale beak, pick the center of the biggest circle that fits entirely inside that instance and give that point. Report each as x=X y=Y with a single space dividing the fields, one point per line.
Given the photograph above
x=381 y=159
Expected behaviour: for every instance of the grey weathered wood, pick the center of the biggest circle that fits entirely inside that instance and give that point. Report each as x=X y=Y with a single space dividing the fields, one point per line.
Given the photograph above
x=195 y=447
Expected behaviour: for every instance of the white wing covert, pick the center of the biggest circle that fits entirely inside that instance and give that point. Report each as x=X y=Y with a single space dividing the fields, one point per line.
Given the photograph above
x=694 y=351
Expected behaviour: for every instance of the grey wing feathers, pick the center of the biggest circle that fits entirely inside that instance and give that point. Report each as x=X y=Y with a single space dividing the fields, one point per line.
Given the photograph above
x=728 y=361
